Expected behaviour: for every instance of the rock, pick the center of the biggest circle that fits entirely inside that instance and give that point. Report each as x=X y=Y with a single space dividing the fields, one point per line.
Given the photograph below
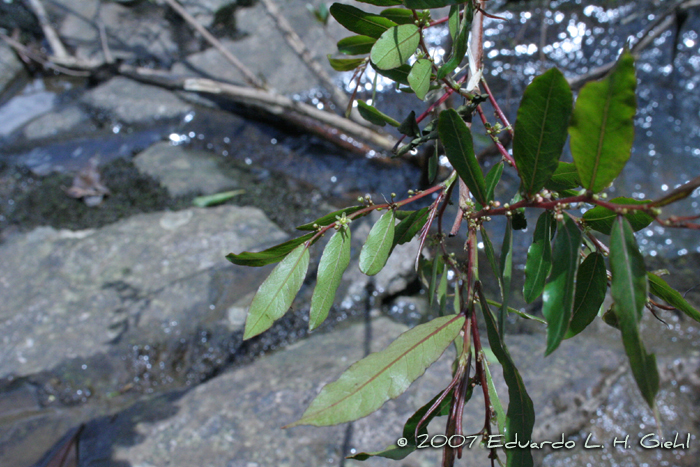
x=140 y=32
x=399 y=270
x=182 y=170
x=140 y=281
x=10 y=68
x=132 y=103
x=53 y=123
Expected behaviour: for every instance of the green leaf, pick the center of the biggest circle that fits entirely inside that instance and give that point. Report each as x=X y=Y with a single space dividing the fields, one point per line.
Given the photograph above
x=564 y=178
x=328 y=219
x=492 y=179
x=520 y=417
x=409 y=430
x=428 y=4
x=491 y=256
x=400 y=74
x=345 y=64
x=442 y=291
x=382 y=2
x=369 y=383
x=506 y=273
x=602 y=219
x=679 y=193
x=453 y=21
x=374 y=116
x=271 y=255
x=409 y=126
x=275 y=295
x=410 y=226
x=356 y=45
x=459 y=149
x=591 y=285
x=629 y=292
x=522 y=314
x=539 y=258
x=334 y=261
x=541 y=129
x=558 y=296
x=398 y=15
x=495 y=400
x=459 y=45
x=433 y=165
x=376 y=249
x=602 y=126
x=665 y=292
x=360 y=22
x=395 y=46
x=436 y=264
x=419 y=77
x=218 y=198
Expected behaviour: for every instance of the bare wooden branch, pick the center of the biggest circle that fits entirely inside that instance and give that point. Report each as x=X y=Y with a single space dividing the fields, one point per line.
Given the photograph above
x=245 y=71
x=52 y=38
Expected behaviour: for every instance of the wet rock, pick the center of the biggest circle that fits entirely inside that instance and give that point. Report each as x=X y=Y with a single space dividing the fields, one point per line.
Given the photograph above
x=10 y=68
x=132 y=103
x=55 y=122
x=184 y=171
x=140 y=32
x=144 y=280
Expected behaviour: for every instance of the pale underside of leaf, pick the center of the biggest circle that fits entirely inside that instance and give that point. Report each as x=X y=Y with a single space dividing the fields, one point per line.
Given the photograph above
x=384 y=375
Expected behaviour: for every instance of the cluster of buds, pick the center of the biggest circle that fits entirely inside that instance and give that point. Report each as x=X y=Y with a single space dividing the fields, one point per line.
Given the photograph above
x=365 y=200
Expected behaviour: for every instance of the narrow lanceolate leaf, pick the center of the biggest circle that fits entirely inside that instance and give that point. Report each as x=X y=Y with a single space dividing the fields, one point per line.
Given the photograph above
x=453 y=21
x=419 y=77
x=345 y=64
x=565 y=177
x=360 y=22
x=329 y=218
x=459 y=149
x=271 y=255
x=369 y=383
x=398 y=15
x=520 y=417
x=602 y=126
x=376 y=249
x=428 y=4
x=395 y=46
x=374 y=116
x=679 y=193
x=495 y=400
x=491 y=257
x=601 y=219
x=591 y=285
x=629 y=292
x=558 y=296
x=275 y=295
x=410 y=226
x=356 y=45
x=539 y=259
x=506 y=273
x=459 y=45
x=409 y=431
x=541 y=129
x=492 y=179
x=334 y=261
x=661 y=289
x=382 y=2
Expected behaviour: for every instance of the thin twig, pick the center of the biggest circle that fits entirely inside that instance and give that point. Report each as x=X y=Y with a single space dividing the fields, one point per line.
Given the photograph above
x=52 y=38
x=247 y=74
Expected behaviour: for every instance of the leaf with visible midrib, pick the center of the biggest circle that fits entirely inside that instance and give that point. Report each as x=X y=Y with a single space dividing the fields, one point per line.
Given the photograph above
x=276 y=294
x=602 y=126
x=356 y=45
x=369 y=383
x=269 y=256
x=360 y=22
x=629 y=292
x=334 y=261
x=591 y=285
x=661 y=289
x=558 y=296
x=459 y=149
x=539 y=259
x=377 y=248
x=541 y=129
x=419 y=77
x=394 y=46
x=601 y=219
x=520 y=417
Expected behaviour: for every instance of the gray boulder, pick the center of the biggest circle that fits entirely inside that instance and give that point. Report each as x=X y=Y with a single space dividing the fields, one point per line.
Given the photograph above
x=10 y=68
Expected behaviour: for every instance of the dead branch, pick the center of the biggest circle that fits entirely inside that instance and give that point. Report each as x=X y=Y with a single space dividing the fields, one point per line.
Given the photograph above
x=52 y=38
